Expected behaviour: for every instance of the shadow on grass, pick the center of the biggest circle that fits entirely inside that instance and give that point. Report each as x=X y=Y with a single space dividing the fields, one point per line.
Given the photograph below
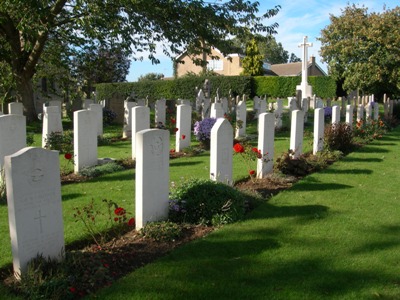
x=389 y=238
x=271 y=211
x=372 y=149
x=184 y=163
x=359 y=159
x=348 y=171
x=71 y=196
x=319 y=186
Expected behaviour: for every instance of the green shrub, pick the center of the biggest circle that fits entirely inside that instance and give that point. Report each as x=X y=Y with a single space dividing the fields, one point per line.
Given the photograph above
x=62 y=142
x=30 y=138
x=339 y=137
x=165 y=231
x=96 y=171
x=79 y=274
x=201 y=201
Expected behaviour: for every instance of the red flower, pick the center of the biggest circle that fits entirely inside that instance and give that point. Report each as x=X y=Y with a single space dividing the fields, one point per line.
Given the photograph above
x=131 y=222
x=116 y=219
x=173 y=121
x=238 y=148
x=172 y=151
x=68 y=156
x=106 y=266
x=183 y=136
x=176 y=129
x=252 y=172
x=119 y=211
x=72 y=289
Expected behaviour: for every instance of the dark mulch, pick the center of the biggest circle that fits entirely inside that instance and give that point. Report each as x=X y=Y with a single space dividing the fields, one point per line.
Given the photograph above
x=268 y=186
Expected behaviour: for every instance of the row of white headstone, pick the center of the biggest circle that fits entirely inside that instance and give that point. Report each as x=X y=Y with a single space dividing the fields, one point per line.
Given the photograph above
x=33 y=183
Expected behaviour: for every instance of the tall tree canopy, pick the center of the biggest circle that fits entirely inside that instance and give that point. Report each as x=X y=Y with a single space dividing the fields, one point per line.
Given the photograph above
x=30 y=28
x=362 y=49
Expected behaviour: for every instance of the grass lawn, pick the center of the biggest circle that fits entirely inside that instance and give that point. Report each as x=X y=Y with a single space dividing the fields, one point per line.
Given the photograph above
x=334 y=235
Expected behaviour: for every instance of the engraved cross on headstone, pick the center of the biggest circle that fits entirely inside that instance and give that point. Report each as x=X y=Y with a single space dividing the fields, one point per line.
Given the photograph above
x=40 y=217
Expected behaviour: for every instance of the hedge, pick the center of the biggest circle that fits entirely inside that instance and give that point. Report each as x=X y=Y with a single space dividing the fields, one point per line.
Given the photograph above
x=184 y=88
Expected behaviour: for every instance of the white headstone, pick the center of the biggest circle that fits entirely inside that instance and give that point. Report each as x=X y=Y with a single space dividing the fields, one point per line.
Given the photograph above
x=151 y=176
x=266 y=135
x=391 y=107
x=319 y=123
x=12 y=135
x=216 y=110
x=256 y=103
x=199 y=100
x=98 y=109
x=360 y=112
x=368 y=112
x=140 y=121
x=51 y=123
x=57 y=103
x=225 y=105
x=306 y=89
x=85 y=139
x=278 y=113
x=221 y=151
x=206 y=109
x=335 y=114
x=376 y=110
x=141 y=102
x=349 y=115
x=262 y=107
x=160 y=112
x=304 y=107
x=126 y=131
x=34 y=205
x=241 y=114
x=15 y=108
x=319 y=103
x=87 y=103
x=296 y=133
x=184 y=124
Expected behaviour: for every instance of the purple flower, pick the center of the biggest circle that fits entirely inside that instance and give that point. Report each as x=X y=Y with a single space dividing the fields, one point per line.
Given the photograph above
x=202 y=129
x=327 y=111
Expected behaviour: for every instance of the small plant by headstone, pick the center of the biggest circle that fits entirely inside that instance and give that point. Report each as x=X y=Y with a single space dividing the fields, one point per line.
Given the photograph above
x=103 y=226
x=201 y=201
x=165 y=231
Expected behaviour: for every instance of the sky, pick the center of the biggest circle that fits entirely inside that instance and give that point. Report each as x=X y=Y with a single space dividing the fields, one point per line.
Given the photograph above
x=296 y=19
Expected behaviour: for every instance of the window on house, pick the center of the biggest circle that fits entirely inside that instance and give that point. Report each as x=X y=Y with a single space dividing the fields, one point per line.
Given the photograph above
x=215 y=65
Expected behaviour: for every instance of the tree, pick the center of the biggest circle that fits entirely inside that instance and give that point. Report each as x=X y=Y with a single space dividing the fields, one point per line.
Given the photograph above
x=100 y=64
x=294 y=58
x=269 y=48
x=30 y=28
x=253 y=61
x=362 y=49
x=273 y=52
x=151 y=77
